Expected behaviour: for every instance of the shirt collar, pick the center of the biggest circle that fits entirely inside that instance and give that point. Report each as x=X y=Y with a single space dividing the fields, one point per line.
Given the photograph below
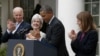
x=51 y=20
x=17 y=23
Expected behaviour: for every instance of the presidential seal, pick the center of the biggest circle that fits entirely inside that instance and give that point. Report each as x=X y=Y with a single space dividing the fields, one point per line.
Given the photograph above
x=18 y=50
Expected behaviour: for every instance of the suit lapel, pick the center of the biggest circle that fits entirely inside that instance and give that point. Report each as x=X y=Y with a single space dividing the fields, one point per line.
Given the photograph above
x=53 y=21
x=20 y=28
x=85 y=38
x=48 y=29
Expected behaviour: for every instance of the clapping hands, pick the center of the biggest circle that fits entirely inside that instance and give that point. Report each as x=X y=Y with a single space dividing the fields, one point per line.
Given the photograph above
x=33 y=34
x=72 y=35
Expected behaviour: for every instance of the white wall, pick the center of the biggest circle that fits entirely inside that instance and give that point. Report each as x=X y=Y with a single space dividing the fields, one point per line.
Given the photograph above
x=67 y=11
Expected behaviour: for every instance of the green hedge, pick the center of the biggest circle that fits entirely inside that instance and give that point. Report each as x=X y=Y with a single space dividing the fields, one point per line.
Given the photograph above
x=3 y=51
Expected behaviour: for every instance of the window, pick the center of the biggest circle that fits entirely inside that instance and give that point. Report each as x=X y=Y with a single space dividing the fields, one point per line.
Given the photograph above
x=28 y=6
x=93 y=6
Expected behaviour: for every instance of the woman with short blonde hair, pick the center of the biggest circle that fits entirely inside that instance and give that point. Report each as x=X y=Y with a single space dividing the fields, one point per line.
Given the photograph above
x=36 y=24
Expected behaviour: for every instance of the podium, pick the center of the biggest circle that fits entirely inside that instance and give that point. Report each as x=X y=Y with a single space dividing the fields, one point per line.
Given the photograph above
x=30 y=48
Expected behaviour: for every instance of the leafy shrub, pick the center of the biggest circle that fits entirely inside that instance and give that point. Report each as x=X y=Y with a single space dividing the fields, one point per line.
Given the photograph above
x=3 y=51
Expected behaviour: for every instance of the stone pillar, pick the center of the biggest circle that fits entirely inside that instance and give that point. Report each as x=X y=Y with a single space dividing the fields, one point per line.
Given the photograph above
x=4 y=14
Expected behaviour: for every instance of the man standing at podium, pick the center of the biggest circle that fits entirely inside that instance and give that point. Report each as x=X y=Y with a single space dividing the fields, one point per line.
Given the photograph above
x=21 y=27
x=55 y=32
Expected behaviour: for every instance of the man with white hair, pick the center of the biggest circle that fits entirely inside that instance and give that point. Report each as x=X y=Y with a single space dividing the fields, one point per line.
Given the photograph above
x=21 y=27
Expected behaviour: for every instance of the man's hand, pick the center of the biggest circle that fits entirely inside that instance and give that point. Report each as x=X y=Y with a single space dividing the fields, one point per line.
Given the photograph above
x=11 y=26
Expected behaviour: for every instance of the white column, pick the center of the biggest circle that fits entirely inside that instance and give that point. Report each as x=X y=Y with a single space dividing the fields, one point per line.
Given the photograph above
x=99 y=43
x=67 y=11
x=10 y=8
x=4 y=14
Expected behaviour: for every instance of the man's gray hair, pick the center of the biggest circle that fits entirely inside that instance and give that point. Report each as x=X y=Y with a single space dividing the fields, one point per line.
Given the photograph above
x=18 y=8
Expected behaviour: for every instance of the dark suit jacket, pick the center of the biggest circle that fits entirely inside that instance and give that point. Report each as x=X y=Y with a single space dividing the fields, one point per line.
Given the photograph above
x=43 y=29
x=19 y=34
x=87 y=46
x=55 y=35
